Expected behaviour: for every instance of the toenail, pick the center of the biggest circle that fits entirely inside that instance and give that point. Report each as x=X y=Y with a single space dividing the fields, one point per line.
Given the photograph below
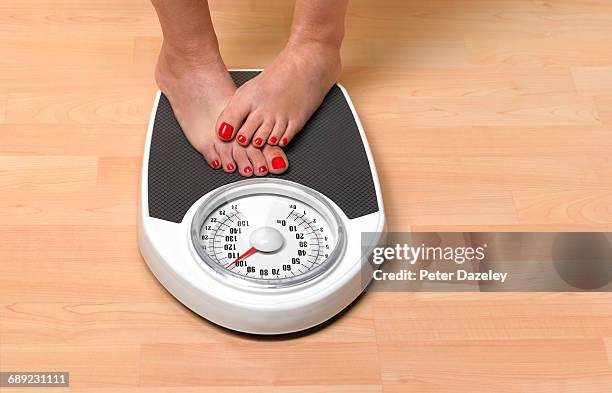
x=248 y=169
x=225 y=131
x=258 y=141
x=230 y=167
x=272 y=139
x=216 y=164
x=262 y=169
x=241 y=138
x=284 y=141
x=278 y=163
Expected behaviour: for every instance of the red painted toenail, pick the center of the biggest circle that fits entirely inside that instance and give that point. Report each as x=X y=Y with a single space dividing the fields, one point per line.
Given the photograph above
x=230 y=167
x=284 y=141
x=258 y=141
x=216 y=164
x=248 y=169
x=278 y=163
x=241 y=138
x=225 y=131
x=263 y=169
x=272 y=139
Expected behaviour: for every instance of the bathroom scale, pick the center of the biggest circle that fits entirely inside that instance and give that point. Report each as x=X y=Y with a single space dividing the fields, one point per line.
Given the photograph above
x=263 y=255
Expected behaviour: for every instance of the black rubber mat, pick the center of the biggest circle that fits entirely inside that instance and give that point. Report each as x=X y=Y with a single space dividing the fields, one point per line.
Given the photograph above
x=327 y=155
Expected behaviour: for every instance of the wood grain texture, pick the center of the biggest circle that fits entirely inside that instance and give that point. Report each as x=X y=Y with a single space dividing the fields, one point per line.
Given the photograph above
x=482 y=115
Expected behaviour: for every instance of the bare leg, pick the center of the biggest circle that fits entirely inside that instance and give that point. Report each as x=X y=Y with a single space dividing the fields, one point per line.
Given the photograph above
x=192 y=75
x=274 y=106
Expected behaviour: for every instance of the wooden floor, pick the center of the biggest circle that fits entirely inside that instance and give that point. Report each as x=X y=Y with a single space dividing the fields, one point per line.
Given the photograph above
x=482 y=115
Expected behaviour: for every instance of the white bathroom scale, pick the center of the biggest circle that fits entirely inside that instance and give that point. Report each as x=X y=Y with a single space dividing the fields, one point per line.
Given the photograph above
x=264 y=255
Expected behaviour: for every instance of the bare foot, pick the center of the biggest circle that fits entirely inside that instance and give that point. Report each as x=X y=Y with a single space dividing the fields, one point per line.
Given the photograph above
x=274 y=106
x=198 y=89
x=253 y=160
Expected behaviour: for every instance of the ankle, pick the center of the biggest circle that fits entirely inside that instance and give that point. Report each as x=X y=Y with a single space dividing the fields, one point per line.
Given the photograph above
x=330 y=39
x=313 y=48
x=176 y=61
x=316 y=52
x=177 y=68
x=194 y=53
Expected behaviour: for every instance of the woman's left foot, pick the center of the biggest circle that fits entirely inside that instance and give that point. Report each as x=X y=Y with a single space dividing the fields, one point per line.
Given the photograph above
x=274 y=106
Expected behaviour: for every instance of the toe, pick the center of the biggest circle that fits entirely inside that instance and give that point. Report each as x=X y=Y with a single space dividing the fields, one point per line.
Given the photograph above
x=232 y=117
x=210 y=155
x=258 y=160
x=250 y=125
x=276 y=159
x=227 y=158
x=279 y=129
x=290 y=132
x=242 y=160
x=262 y=134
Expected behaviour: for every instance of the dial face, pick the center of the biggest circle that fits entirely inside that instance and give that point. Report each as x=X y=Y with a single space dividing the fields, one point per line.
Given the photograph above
x=268 y=238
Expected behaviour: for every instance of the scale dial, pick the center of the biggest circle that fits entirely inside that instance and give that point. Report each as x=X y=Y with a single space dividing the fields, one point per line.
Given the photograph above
x=267 y=232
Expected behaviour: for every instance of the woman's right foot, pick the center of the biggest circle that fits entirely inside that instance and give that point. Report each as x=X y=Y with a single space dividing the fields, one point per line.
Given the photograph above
x=198 y=87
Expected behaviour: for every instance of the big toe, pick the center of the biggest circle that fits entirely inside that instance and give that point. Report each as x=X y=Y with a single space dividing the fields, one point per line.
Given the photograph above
x=232 y=117
x=276 y=159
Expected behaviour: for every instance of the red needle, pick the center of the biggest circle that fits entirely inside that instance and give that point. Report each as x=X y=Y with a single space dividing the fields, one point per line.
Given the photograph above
x=246 y=254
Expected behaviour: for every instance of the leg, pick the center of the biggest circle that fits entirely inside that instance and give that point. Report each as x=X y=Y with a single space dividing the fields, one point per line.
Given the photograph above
x=192 y=75
x=274 y=106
